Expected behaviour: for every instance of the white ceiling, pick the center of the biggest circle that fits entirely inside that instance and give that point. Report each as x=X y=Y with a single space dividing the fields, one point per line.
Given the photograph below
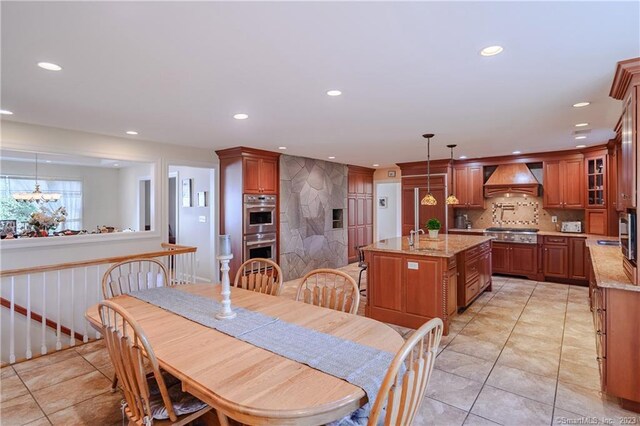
x=177 y=72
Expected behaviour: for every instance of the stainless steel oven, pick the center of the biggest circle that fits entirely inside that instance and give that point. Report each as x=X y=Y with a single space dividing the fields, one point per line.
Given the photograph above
x=259 y=214
x=259 y=245
x=628 y=235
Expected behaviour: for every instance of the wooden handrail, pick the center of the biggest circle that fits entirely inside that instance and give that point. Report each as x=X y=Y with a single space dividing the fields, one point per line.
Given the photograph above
x=172 y=250
x=38 y=318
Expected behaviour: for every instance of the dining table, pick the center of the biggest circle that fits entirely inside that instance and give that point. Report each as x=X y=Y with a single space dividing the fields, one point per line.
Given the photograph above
x=247 y=383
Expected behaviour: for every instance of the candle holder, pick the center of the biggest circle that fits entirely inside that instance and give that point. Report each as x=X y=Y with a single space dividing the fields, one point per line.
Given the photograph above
x=225 y=312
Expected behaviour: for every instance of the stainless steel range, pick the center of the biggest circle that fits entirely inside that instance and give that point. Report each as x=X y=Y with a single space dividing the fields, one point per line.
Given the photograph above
x=513 y=235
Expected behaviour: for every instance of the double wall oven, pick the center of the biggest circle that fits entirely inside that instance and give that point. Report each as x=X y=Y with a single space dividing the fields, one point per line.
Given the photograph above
x=260 y=226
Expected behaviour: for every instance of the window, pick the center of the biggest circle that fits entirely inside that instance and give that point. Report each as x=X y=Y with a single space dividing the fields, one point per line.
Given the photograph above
x=71 y=199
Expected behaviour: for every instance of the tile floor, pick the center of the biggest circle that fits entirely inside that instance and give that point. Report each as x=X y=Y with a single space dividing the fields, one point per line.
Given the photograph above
x=523 y=354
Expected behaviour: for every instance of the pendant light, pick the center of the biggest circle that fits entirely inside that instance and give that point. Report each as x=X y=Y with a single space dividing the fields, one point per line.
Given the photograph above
x=452 y=199
x=36 y=196
x=429 y=199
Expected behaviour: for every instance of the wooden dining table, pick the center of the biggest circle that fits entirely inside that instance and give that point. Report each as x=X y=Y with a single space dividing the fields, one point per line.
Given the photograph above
x=247 y=383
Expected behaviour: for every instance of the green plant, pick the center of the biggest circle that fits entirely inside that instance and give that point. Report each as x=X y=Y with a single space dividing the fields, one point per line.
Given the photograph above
x=433 y=224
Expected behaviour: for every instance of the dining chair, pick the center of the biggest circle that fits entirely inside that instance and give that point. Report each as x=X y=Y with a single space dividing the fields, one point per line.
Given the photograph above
x=330 y=288
x=362 y=264
x=147 y=398
x=133 y=275
x=402 y=391
x=260 y=275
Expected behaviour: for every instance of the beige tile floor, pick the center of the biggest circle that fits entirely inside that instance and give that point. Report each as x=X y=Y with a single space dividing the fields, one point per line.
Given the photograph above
x=523 y=354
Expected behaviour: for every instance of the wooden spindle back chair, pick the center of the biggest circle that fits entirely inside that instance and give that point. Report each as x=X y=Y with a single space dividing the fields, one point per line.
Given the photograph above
x=330 y=288
x=401 y=393
x=133 y=275
x=128 y=348
x=261 y=275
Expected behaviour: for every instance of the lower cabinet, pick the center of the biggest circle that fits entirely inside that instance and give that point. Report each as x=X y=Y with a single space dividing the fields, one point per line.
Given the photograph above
x=474 y=266
x=515 y=259
x=565 y=258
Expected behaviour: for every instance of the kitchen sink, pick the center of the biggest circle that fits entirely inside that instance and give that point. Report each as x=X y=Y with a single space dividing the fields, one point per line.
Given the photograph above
x=608 y=243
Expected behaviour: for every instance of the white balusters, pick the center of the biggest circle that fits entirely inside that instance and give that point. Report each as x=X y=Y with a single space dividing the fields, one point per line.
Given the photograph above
x=28 y=353
x=85 y=335
x=99 y=281
x=43 y=342
x=59 y=322
x=72 y=339
x=12 y=323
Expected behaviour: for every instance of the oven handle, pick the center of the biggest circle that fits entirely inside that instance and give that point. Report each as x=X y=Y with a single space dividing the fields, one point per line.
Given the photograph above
x=255 y=243
x=254 y=206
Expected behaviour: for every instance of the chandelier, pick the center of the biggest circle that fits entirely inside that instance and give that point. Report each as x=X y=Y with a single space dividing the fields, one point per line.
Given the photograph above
x=452 y=199
x=36 y=196
x=429 y=199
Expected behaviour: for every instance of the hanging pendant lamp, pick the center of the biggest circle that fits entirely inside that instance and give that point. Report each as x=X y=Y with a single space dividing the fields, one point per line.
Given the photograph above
x=36 y=196
x=452 y=199
x=429 y=199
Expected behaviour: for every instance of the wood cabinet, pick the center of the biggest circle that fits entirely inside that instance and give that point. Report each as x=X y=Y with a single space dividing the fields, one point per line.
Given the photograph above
x=409 y=200
x=474 y=273
x=468 y=184
x=565 y=258
x=556 y=261
x=359 y=209
x=578 y=259
x=628 y=153
x=597 y=192
x=597 y=222
x=515 y=259
x=260 y=175
x=563 y=183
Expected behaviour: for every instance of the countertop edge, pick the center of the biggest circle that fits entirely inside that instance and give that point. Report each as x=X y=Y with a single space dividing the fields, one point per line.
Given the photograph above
x=606 y=257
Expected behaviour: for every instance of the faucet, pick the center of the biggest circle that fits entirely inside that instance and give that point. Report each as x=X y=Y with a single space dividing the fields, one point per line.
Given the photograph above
x=417 y=235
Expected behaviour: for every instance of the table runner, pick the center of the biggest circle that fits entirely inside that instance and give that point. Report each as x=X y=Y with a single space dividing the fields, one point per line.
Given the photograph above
x=358 y=364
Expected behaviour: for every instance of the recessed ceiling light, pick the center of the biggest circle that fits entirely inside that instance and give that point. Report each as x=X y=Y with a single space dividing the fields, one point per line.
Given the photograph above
x=517 y=152
x=581 y=104
x=47 y=161
x=5 y=112
x=491 y=50
x=334 y=93
x=132 y=132
x=241 y=116
x=115 y=164
x=376 y=165
x=581 y=146
x=462 y=157
x=282 y=147
x=582 y=124
x=49 y=66
x=332 y=157
x=580 y=137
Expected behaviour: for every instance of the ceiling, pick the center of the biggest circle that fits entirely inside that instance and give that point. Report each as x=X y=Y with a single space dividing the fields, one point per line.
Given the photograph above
x=177 y=72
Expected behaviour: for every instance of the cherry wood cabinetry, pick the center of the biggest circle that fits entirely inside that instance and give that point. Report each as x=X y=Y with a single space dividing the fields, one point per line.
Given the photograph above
x=260 y=175
x=474 y=275
x=565 y=258
x=359 y=209
x=628 y=153
x=597 y=192
x=438 y=211
x=468 y=184
x=515 y=259
x=563 y=183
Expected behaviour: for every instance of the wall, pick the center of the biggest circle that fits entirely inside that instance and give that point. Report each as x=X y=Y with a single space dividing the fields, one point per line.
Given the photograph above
x=528 y=213
x=22 y=136
x=130 y=192
x=191 y=231
x=388 y=220
x=382 y=176
x=309 y=190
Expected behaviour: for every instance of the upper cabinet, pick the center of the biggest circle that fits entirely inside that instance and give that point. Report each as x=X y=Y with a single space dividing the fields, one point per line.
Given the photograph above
x=260 y=175
x=596 y=180
x=563 y=184
x=468 y=186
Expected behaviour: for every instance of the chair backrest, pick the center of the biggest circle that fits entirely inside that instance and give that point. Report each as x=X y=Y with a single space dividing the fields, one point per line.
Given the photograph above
x=330 y=288
x=261 y=275
x=127 y=345
x=360 y=255
x=401 y=393
x=133 y=275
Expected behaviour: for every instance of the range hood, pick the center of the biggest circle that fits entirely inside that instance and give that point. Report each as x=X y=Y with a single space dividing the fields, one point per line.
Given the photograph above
x=512 y=179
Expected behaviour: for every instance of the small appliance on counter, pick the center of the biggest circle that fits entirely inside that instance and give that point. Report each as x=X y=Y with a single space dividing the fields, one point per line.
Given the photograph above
x=461 y=221
x=575 y=227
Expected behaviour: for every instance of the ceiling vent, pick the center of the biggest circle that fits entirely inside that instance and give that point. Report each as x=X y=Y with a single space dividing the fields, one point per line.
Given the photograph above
x=582 y=132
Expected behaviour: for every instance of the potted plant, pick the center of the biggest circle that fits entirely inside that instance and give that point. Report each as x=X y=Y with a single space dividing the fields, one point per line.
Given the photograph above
x=433 y=225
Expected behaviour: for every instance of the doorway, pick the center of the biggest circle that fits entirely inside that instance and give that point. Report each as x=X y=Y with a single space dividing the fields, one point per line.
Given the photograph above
x=173 y=208
x=388 y=210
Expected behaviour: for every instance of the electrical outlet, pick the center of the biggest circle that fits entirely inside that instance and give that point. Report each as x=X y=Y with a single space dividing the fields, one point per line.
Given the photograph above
x=202 y=219
x=554 y=219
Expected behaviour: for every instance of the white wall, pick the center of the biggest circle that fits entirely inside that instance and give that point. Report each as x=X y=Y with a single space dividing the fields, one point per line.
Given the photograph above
x=388 y=220
x=22 y=136
x=191 y=231
x=129 y=202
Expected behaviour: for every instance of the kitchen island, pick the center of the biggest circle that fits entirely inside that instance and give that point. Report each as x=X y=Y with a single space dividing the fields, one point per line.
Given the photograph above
x=409 y=285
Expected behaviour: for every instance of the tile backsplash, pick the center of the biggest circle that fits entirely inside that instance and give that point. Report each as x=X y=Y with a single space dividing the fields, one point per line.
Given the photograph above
x=519 y=212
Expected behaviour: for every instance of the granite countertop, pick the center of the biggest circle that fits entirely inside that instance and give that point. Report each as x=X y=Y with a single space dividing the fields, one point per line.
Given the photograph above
x=447 y=245
x=607 y=266
x=548 y=233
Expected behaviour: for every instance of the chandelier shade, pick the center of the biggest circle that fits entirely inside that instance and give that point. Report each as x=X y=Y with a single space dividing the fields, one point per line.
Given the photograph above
x=36 y=196
x=429 y=199
x=452 y=200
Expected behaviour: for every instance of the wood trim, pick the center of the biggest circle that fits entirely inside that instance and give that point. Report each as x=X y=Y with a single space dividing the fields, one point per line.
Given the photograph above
x=244 y=151
x=625 y=71
x=38 y=318
x=528 y=189
x=360 y=169
x=415 y=168
x=104 y=260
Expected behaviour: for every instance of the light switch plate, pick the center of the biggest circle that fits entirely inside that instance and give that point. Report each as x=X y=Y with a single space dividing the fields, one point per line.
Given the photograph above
x=412 y=265
x=202 y=219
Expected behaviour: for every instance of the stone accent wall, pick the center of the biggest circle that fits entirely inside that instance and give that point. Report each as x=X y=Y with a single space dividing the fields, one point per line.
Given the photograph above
x=309 y=191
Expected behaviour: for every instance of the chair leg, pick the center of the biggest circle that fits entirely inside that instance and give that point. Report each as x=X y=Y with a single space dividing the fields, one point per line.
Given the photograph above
x=360 y=277
x=114 y=383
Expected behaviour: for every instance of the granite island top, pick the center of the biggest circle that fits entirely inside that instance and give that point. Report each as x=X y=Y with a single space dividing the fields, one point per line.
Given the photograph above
x=446 y=245
x=607 y=266
x=543 y=233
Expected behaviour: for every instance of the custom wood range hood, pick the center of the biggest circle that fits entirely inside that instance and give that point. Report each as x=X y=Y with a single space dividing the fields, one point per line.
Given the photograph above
x=512 y=179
